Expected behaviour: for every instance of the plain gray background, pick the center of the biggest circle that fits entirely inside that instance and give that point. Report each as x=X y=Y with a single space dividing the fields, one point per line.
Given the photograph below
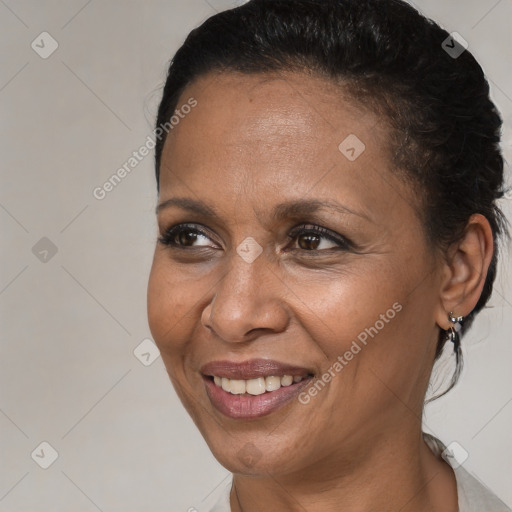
x=72 y=320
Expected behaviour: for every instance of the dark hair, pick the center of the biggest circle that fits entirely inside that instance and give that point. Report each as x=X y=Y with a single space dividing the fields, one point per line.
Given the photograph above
x=444 y=128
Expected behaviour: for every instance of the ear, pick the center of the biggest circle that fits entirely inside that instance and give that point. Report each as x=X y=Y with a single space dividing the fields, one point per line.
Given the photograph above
x=465 y=270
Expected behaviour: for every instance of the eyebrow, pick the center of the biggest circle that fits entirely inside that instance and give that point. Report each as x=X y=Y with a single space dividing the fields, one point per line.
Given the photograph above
x=190 y=205
x=310 y=206
x=289 y=209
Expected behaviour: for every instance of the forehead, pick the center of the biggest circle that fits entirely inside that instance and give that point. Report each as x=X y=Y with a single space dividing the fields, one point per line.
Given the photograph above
x=247 y=108
x=278 y=133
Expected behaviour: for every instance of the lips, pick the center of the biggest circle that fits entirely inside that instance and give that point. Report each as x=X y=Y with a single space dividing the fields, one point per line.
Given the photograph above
x=249 y=389
x=252 y=369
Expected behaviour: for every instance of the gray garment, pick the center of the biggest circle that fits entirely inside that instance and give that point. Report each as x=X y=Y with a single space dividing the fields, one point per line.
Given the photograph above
x=473 y=495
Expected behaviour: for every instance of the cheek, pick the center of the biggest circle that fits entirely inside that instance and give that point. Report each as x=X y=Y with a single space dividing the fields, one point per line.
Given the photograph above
x=351 y=305
x=172 y=300
x=359 y=323
x=378 y=341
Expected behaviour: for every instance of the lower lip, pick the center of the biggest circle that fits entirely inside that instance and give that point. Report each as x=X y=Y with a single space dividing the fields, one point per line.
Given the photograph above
x=251 y=406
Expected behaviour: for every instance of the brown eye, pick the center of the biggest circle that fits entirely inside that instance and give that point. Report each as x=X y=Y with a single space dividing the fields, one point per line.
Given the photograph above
x=309 y=242
x=316 y=238
x=185 y=236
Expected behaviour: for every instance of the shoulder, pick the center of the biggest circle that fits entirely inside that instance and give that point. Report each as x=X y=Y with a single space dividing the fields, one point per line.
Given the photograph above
x=473 y=495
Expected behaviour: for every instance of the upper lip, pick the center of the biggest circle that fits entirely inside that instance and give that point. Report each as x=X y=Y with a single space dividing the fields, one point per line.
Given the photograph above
x=252 y=369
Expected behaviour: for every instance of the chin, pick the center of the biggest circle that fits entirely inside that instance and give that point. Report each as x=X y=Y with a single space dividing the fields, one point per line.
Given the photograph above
x=251 y=458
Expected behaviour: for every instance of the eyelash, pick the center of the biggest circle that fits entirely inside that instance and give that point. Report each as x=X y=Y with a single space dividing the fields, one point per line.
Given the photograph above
x=168 y=238
x=342 y=242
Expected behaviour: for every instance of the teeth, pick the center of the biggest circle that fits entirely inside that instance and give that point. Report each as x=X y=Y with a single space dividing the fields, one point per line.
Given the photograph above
x=272 y=383
x=255 y=386
x=237 y=387
x=286 y=380
x=226 y=384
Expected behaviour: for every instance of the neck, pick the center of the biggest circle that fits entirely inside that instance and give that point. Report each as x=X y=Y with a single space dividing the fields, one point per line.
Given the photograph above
x=400 y=474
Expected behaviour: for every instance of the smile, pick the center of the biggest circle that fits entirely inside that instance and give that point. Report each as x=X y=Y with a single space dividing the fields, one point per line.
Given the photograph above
x=255 y=386
x=251 y=389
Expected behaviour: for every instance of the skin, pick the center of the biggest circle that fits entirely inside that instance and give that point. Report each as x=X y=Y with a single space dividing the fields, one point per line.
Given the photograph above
x=252 y=142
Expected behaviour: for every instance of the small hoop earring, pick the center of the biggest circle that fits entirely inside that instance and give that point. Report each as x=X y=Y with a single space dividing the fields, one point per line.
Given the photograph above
x=453 y=332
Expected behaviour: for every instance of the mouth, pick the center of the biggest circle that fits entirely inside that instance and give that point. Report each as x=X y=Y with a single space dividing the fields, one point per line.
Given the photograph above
x=256 y=386
x=251 y=389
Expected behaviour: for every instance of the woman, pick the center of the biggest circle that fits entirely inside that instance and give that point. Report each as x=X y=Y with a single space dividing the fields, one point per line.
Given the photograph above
x=328 y=222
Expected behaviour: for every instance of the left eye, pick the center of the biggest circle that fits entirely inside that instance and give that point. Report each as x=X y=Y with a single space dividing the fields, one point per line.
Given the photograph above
x=317 y=238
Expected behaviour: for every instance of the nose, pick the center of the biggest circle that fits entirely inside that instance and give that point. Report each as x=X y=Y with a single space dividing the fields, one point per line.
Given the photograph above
x=247 y=301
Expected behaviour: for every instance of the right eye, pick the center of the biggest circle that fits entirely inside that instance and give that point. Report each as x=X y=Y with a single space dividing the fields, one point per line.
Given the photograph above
x=184 y=236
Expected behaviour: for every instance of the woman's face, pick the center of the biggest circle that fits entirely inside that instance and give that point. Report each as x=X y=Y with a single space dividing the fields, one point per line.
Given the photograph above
x=248 y=289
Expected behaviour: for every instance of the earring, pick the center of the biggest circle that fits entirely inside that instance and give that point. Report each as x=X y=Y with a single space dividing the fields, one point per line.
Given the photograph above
x=453 y=332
